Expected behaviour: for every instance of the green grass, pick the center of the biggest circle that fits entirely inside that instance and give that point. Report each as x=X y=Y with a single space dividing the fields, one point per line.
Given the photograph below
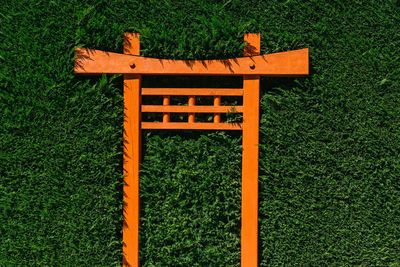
x=329 y=143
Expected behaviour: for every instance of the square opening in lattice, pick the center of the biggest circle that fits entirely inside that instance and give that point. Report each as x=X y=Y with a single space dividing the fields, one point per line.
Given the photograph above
x=179 y=117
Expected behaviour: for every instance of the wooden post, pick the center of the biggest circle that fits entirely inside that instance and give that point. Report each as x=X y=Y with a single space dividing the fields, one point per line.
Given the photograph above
x=217 y=103
x=251 y=87
x=192 y=102
x=166 y=102
x=132 y=145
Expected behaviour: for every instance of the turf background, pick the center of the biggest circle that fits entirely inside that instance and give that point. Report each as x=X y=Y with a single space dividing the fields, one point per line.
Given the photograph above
x=329 y=143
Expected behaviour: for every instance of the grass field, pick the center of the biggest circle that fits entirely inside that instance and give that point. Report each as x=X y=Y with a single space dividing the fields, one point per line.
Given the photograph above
x=329 y=143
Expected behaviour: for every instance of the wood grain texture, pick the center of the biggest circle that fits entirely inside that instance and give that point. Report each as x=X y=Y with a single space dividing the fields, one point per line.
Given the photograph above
x=192 y=109
x=251 y=99
x=193 y=91
x=90 y=61
x=191 y=126
x=132 y=145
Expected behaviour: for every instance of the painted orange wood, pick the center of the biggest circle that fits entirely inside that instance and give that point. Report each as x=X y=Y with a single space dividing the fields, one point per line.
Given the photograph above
x=90 y=61
x=217 y=103
x=192 y=91
x=131 y=157
x=251 y=87
x=192 y=102
x=192 y=109
x=191 y=126
x=166 y=102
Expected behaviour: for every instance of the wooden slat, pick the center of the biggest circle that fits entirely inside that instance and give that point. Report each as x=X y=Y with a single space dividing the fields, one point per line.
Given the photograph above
x=90 y=61
x=131 y=158
x=193 y=91
x=191 y=126
x=217 y=103
x=166 y=102
x=192 y=109
x=192 y=103
x=251 y=98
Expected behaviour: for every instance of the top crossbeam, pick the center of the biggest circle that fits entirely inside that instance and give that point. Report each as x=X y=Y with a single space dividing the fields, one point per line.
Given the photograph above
x=291 y=63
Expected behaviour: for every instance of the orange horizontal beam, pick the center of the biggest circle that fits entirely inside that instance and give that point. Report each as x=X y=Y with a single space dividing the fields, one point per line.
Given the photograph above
x=90 y=61
x=193 y=91
x=192 y=109
x=191 y=126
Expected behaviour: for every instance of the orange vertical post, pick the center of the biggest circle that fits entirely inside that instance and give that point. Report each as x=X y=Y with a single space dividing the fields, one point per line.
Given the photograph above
x=217 y=103
x=166 y=102
x=251 y=87
x=192 y=102
x=132 y=84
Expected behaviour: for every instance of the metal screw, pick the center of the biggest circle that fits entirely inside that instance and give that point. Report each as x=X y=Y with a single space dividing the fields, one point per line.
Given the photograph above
x=252 y=66
x=133 y=65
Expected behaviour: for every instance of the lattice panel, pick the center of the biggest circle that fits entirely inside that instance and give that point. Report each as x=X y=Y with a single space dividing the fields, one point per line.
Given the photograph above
x=191 y=109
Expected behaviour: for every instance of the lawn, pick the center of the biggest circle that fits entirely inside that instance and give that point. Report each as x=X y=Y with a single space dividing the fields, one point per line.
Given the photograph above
x=329 y=187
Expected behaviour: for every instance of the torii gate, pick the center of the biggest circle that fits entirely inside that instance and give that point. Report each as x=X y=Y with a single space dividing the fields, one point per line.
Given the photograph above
x=251 y=67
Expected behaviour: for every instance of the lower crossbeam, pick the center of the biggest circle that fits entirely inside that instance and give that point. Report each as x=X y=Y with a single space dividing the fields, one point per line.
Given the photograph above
x=191 y=126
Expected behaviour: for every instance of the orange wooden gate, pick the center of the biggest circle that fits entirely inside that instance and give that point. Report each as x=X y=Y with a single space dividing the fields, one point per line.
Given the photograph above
x=251 y=67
